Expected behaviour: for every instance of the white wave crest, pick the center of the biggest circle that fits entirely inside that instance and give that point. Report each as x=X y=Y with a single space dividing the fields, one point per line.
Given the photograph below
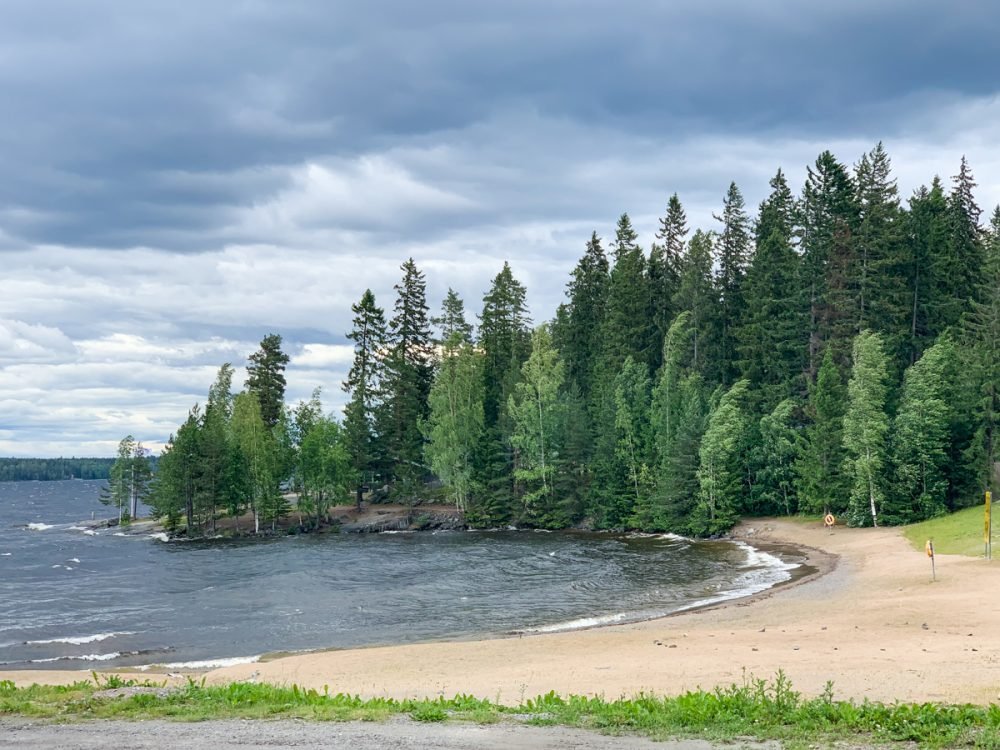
x=160 y=537
x=40 y=526
x=206 y=664
x=85 y=657
x=581 y=623
x=78 y=640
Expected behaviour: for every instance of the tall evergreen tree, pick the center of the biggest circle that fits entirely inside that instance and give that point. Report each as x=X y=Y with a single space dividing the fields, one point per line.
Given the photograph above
x=665 y=264
x=365 y=385
x=266 y=378
x=928 y=295
x=881 y=269
x=697 y=295
x=733 y=258
x=829 y=216
x=452 y=323
x=822 y=486
x=866 y=428
x=982 y=354
x=774 y=460
x=408 y=376
x=579 y=341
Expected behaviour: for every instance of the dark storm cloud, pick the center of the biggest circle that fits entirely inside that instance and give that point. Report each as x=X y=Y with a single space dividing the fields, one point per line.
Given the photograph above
x=105 y=101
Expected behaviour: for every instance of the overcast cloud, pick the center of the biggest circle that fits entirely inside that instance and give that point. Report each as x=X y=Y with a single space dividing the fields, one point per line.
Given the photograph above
x=179 y=179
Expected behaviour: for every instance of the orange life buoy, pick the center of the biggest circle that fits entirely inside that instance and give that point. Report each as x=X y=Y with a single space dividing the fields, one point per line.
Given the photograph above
x=829 y=520
x=929 y=547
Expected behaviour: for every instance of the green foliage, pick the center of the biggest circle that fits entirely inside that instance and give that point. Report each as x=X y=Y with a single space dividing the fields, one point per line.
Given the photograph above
x=821 y=485
x=756 y=708
x=536 y=410
x=720 y=470
x=53 y=469
x=455 y=424
x=364 y=384
x=266 y=378
x=866 y=428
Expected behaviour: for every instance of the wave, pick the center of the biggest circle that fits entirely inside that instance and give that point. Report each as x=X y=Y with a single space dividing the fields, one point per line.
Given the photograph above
x=6 y=554
x=84 y=657
x=39 y=526
x=757 y=566
x=206 y=664
x=582 y=623
x=78 y=640
x=160 y=537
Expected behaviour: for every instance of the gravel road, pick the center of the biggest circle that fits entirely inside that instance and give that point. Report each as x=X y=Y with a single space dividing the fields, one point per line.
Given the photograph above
x=397 y=734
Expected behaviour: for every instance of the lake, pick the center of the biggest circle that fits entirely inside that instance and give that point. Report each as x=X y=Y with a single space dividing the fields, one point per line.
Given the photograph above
x=72 y=598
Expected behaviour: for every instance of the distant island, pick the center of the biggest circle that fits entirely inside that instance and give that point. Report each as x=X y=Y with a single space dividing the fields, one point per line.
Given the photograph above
x=836 y=353
x=52 y=469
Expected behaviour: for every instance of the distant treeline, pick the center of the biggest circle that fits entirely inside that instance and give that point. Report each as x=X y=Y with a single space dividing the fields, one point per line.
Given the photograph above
x=50 y=469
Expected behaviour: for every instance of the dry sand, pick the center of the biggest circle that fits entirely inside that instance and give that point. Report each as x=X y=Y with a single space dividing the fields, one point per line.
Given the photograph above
x=871 y=621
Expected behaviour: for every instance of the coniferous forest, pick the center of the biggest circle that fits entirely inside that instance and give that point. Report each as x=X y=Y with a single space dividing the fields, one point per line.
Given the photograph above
x=836 y=351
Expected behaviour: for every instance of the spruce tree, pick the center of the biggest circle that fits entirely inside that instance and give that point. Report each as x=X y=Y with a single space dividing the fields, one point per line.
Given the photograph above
x=929 y=295
x=580 y=339
x=632 y=403
x=452 y=325
x=665 y=264
x=733 y=251
x=266 y=378
x=982 y=355
x=697 y=295
x=408 y=375
x=774 y=459
x=866 y=428
x=365 y=386
x=822 y=485
x=829 y=216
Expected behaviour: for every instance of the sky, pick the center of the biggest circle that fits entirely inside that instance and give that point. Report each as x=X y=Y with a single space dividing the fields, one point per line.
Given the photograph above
x=178 y=180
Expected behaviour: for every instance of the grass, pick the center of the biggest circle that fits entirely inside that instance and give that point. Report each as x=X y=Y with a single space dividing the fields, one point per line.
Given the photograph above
x=757 y=708
x=959 y=533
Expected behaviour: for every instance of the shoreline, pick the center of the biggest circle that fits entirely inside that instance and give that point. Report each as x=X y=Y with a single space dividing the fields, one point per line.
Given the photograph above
x=864 y=615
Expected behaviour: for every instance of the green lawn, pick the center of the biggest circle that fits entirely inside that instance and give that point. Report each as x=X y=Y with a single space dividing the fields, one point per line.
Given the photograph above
x=959 y=533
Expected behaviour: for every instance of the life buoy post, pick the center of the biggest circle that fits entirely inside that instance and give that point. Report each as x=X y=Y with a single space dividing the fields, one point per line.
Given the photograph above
x=929 y=548
x=829 y=520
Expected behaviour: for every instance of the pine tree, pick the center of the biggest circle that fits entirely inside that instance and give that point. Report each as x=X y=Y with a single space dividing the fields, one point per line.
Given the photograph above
x=627 y=330
x=866 y=427
x=720 y=469
x=128 y=479
x=822 y=486
x=408 y=376
x=266 y=378
x=365 y=384
x=733 y=258
x=536 y=411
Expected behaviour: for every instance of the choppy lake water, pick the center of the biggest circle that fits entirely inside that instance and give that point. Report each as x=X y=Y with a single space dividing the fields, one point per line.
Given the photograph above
x=75 y=599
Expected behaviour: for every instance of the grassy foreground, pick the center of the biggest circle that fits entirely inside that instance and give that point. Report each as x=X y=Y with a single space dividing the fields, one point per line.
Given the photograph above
x=757 y=708
x=958 y=533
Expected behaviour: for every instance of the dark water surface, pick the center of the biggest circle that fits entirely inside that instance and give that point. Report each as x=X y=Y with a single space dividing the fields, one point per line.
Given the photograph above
x=73 y=599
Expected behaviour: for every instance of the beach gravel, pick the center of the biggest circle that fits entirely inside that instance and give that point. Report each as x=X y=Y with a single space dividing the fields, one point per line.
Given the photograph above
x=396 y=734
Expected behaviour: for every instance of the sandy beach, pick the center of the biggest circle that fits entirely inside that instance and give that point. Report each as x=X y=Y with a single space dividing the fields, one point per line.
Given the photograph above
x=870 y=620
